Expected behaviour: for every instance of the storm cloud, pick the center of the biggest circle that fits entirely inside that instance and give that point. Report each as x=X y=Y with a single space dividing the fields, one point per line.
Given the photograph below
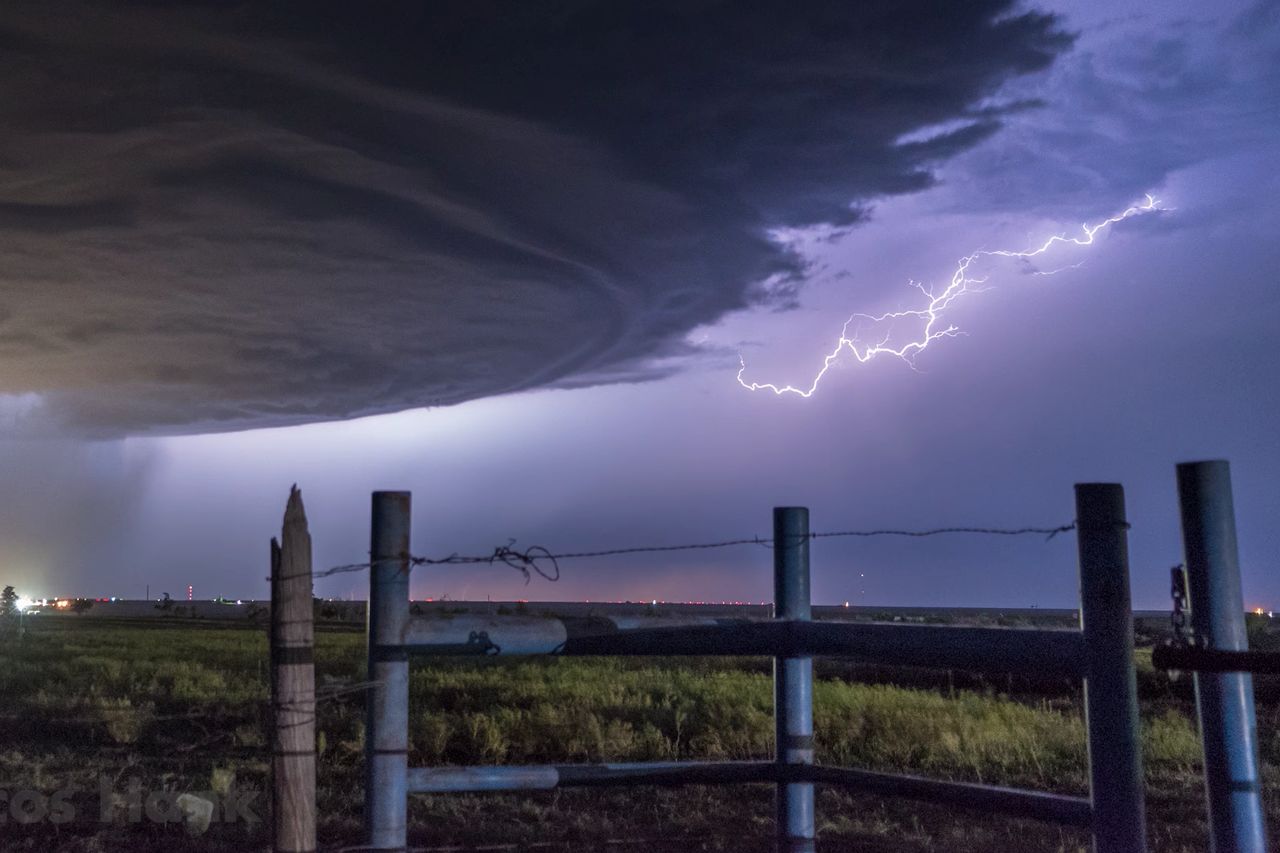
x=1137 y=99
x=214 y=220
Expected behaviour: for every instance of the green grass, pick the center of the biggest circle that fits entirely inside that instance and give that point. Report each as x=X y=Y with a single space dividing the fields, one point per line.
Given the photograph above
x=184 y=709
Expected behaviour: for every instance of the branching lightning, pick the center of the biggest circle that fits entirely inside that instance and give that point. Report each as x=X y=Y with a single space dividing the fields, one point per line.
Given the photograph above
x=935 y=306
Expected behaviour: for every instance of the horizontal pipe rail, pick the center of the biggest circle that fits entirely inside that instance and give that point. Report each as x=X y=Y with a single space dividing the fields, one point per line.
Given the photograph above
x=484 y=635
x=437 y=780
x=1200 y=659
x=1055 y=808
x=1001 y=650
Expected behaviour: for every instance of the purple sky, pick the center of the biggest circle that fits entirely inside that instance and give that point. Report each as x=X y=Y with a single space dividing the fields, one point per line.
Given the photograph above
x=197 y=276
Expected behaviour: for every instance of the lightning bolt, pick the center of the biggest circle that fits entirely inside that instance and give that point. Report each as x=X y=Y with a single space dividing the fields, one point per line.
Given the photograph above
x=936 y=304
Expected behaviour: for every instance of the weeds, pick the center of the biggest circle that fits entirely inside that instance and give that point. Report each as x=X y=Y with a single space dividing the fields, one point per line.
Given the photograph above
x=187 y=706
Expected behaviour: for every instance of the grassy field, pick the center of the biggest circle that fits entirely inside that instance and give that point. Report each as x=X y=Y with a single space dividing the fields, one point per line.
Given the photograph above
x=92 y=707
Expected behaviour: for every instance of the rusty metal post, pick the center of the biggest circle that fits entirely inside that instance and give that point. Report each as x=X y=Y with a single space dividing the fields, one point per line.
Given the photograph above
x=793 y=680
x=1228 y=727
x=293 y=760
x=387 y=730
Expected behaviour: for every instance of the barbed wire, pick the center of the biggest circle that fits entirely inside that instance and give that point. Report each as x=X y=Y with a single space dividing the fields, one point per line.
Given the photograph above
x=556 y=846
x=106 y=714
x=322 y=695
x=527 y=560
x=690 y=843
x=1047 y=532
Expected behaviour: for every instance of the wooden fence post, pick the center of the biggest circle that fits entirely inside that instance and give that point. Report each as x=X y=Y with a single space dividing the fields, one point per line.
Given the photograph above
x=293 y=696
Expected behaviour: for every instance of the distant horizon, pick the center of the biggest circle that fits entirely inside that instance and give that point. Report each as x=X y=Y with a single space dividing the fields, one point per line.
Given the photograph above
x=1146 y=613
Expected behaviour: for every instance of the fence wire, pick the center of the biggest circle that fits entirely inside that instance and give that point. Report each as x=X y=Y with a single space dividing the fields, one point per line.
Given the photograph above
x=107 y=714
x=539 y=560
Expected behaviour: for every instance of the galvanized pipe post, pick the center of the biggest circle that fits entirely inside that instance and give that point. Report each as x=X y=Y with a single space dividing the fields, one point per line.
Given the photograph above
x=1228 y=727
x=387 y=729
x=1111 y=692
x=793 y=679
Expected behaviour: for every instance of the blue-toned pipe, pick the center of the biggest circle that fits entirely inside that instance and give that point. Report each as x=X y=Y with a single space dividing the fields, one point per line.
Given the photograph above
x=996 y=650
x=1110 y=690
x=793 y=679
x=424 y=780
x=387 y=727
x=1056 y=808
x=1228 y=727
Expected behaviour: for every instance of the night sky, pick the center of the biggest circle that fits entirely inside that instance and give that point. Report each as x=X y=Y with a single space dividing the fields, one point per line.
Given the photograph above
x=509 y=256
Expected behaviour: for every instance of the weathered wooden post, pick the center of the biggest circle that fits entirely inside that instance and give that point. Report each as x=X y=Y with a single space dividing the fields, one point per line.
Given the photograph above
x=293 y=696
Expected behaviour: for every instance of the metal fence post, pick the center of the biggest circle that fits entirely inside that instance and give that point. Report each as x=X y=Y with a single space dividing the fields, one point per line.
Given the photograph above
x=793 y=679
x=387 y=728
x=1228 y=728
x=1110 y=692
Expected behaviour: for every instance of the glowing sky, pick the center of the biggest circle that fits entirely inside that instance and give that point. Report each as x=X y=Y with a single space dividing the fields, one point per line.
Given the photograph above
x=218 y=258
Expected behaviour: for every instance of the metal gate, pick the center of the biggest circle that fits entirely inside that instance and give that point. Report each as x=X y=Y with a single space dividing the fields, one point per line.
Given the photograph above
x=1100 y=653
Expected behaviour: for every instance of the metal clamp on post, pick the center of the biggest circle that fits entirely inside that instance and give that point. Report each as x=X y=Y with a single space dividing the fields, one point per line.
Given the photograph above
x=1178 y=638
x=1178 y=617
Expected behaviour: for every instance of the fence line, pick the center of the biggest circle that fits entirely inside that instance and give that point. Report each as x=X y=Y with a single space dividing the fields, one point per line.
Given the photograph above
x=1099 y=653
x=506 y=555
x=526 y=560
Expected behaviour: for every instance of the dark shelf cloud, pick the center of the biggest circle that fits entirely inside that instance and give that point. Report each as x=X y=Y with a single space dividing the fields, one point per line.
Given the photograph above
x=215 y=219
